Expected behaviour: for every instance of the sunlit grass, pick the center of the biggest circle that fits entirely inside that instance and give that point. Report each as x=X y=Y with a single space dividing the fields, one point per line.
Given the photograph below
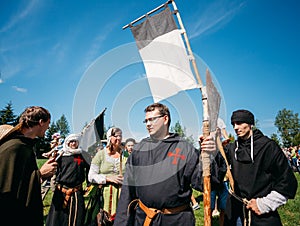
x=289 y=213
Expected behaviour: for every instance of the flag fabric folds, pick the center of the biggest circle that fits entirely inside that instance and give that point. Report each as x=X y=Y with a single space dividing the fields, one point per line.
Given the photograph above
x=164 y=55
x=93 y=132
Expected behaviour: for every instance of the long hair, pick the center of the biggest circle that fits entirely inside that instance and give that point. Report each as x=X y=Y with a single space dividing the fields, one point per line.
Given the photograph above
x=113 y=132
x=31 y=116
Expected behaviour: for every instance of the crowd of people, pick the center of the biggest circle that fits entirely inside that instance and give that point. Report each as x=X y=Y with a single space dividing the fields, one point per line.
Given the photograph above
x=149 y=182
x=293 y=155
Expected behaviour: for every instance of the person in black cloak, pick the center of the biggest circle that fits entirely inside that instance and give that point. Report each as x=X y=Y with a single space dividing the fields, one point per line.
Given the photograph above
x=20 y=178
x=67 y=207
x=261 y=175
x=160 y=174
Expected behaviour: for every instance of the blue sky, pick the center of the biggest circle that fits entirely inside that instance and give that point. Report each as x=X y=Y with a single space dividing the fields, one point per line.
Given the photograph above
x=73 y=58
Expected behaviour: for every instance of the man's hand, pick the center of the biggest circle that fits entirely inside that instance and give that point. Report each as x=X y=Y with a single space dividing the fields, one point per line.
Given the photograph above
x=208 y=144
x=49 y=168
x=253 y=206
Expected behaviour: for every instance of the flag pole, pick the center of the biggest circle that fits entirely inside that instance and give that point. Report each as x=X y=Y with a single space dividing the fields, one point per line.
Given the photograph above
x=206 y=130
x=150 y=12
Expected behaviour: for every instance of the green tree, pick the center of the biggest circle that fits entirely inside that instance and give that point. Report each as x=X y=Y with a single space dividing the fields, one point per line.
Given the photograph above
x=275 y=137
x=51 y=130
x=60 y=126
x=181 y=131
x=7 y=115
x=288 y=126
x=256 y=124
x=63 y=126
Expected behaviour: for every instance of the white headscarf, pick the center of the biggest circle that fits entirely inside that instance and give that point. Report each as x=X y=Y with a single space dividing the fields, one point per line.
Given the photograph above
x=67 y=151
x=108 y=135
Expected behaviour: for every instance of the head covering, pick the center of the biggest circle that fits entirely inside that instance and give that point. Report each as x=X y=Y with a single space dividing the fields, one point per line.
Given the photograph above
x=108 y=135
x=5 y=130
x=56 y=136
x=242 y=116
x=67 y=151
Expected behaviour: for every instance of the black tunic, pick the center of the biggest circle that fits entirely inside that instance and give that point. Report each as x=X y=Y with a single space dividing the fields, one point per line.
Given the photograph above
x=20 y=188
x=269 y=172
x=71 y=172
x=161 y=174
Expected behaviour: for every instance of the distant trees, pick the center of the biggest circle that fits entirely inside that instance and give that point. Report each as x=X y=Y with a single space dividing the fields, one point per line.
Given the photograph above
x=7 y=115
x=61 y=126
x=286 y=121
x=288 y=126
x=181 y=131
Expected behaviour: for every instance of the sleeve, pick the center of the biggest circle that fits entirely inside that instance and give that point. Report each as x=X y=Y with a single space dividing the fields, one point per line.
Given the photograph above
x=284 y=180
x=196 y=164
x=271 y=202
x=94 y=176
x=218 y=171
x=125 y=212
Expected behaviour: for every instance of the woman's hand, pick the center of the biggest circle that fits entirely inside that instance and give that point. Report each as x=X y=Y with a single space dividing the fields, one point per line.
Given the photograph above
x=117 y=179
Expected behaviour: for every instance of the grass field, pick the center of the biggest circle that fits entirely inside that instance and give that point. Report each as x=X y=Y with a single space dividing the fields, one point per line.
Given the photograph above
x=289 y=213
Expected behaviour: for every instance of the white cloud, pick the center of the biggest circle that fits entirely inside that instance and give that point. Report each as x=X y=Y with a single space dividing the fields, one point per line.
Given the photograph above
x=20 y=15
x=19 y=89
x=1 y=81
x=214 y=17
x=94 y=50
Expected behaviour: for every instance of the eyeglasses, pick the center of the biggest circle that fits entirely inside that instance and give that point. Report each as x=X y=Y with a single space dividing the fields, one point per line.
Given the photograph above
x=153 y=119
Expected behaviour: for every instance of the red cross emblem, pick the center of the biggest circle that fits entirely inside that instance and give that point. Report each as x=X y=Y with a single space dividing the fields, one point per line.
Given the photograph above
x=78 y=159
x=176 y=155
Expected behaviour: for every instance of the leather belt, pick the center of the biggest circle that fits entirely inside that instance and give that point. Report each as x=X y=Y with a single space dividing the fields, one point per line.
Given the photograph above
x=152 y=212
x=68 y=192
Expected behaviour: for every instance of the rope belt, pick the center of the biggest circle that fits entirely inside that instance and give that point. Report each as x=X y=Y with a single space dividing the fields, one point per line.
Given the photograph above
x=68 y=192
x=245 y=202
x=152 y=212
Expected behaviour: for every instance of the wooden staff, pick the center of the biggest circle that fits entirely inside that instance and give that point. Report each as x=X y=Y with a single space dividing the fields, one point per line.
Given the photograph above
x=206 y=128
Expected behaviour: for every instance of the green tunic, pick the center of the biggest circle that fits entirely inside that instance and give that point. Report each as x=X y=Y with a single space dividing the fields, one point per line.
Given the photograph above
x=109 y=166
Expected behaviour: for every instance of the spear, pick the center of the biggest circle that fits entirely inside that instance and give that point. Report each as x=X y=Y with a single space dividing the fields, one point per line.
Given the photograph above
x=210 y=102
x=211 y=105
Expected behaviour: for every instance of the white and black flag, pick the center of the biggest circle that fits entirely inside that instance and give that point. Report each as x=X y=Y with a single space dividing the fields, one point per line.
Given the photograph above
x=164 y=55
x=93 y=132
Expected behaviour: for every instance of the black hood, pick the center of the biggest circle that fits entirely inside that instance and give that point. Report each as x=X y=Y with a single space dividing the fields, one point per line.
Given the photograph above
x=243 y=154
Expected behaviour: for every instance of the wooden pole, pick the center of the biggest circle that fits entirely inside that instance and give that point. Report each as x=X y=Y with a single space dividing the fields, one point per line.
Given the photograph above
x=206 y=129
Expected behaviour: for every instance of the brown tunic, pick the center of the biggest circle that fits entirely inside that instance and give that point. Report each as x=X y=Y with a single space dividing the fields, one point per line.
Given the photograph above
x=20 y=189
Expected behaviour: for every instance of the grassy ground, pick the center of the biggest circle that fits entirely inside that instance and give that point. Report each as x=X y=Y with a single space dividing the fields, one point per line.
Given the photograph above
x=290 y=213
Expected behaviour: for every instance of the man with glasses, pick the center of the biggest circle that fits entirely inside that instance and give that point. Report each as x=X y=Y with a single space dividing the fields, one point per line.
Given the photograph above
x=160 y=174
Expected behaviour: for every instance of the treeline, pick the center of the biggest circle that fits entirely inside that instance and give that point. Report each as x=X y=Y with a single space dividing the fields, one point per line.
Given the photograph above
x=7 y=116
x=286 y=121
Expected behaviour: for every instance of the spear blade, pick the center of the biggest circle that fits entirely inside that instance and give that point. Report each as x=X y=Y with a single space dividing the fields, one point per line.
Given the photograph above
x=214 y=100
